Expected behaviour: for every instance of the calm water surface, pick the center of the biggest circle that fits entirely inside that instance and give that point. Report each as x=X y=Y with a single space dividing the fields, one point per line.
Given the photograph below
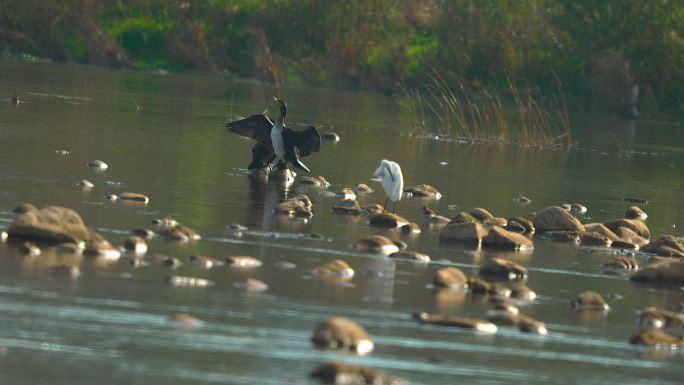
x=163 y=136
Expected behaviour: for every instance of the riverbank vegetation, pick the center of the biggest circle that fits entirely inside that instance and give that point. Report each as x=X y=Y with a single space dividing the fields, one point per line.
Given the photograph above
x=596 y=53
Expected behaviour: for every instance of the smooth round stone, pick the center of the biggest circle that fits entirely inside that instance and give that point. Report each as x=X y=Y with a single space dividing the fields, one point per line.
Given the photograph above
x=98 y=164
x=450 y=277
x=454 y=321
x=236 y=227
x=135 y=245
x=144 y=233
x=28 y=249
x=3 y=236
x=590 y=300
x=243 y=262
x=70 y=248
x=202 y=261
x=376 y=244
x=412 y=255
x=342 y=333
x=84 y=183
x=337 y=268
x=362 y=188
x=185 y=321
x=24 y=207
x=176 y=280
x=251 y=285
x=634 y=212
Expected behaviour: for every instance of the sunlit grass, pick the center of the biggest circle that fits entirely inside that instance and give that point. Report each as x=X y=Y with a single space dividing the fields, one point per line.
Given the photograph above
x=453 y=108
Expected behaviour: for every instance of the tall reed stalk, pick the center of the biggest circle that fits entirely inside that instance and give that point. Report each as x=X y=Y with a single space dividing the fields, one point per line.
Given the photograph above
x=457 y=109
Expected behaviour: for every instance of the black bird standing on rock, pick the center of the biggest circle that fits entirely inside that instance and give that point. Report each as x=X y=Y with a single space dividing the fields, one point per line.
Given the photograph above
x=276 y=141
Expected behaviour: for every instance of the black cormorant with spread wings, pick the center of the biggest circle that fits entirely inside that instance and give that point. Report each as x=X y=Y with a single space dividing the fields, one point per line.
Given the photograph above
x=276 y=141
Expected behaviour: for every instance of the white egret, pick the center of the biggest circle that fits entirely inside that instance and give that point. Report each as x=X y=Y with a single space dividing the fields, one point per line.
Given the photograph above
x=392 y=181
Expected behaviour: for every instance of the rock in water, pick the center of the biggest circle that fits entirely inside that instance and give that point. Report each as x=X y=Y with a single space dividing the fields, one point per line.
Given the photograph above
x=50 y=224
x=555 y=218
x=342 y=333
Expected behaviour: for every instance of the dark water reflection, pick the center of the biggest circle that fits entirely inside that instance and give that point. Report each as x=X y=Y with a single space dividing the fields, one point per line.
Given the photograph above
x=163 y=136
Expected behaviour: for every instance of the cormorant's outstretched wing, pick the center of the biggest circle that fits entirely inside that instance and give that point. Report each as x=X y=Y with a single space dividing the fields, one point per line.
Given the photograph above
x=262 y=156
x=257 y=127
x=307 y=141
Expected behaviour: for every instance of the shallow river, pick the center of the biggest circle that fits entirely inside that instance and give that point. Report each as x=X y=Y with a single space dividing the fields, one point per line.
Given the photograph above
x=163 y=136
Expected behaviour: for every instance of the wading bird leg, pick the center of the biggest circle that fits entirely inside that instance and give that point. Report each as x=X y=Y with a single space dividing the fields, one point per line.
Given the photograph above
x=384 y=207
x=395 y=207
x=281 y=165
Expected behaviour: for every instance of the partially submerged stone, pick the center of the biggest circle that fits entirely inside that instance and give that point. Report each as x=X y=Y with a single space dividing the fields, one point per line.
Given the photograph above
x=349 y=374
x=99 y=247
x=144 y=233
x=243 y=262
x=503 y=269
x=523 y=292
x=481 y=214
x=252 y=285
x=318 y=181
x=176 y=280
x=185 y=321
x=635 y=200
x=555 y=218
x=424 y=191
x=49 y=224
x=97 y=164
x=520 y=225
x=342 y=333
x=204 y=261
x=85 y=184
x=523 y=200
x=654 y=317
x=669 y=273
x=70 y=248
x=589 y=300
x=464 y=217
x=378 y=244
x=562 y=236
x=657 y=339
x=622 y=263
x=346 y=194
x=634 y=212
x=179 y=233
x=602 y=230
x=629 y=235
x=591 y=238
x=347 y=207
x=469 y=233
x=450 y=277
x=410 y=228
x=28 y=249
x=454 y=321
x=433 y=219
x=482 y=287
x=134 y=197
x=336 y=268
x=371 y=209
x=635 y=225
x=500 y=238
x=362 y=188
x=624 y=245
x=524 y=323
x=386 y=220
x=135 y=244
x=299 y=206
x=412 y=255
x=669 y=241
x=24 y=207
